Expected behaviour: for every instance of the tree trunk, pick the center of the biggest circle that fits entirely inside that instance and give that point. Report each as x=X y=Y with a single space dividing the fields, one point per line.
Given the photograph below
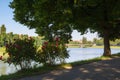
x=107 y=50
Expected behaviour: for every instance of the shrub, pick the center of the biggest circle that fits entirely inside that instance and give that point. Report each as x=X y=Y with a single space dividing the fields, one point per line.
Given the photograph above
x=53 y=52
x=21 y=52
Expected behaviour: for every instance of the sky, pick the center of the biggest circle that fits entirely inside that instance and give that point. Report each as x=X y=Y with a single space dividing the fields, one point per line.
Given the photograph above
x=6 y=18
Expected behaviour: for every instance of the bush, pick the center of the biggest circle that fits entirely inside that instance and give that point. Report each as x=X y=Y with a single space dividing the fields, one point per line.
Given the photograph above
x=21 y=52
x=52 y=52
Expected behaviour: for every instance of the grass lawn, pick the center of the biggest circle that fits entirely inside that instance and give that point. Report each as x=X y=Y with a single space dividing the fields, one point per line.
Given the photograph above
x=45 y=69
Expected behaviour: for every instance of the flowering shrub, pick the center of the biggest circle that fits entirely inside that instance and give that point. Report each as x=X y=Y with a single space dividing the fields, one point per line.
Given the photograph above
x=52 y=52
x=21 y=52
x=0 y=57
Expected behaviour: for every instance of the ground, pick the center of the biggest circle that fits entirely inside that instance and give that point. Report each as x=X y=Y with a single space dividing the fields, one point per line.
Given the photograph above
x=101 y=70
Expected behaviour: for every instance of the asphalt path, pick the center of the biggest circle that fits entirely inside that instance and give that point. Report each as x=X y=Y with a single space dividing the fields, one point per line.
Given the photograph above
x=101 y=70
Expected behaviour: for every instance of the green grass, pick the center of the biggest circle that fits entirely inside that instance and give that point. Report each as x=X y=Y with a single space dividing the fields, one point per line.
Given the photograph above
x=73 y=46
x=45 y=69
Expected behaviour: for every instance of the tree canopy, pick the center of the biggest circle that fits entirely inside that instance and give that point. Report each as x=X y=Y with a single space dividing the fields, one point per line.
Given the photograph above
x=46 y=16
x=101 y=16
x=59 y=17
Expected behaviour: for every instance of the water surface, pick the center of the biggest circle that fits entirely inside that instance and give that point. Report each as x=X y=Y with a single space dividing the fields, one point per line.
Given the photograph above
x=77 y=54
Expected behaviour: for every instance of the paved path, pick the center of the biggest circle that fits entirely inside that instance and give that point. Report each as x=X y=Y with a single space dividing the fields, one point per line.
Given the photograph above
x=102 y=70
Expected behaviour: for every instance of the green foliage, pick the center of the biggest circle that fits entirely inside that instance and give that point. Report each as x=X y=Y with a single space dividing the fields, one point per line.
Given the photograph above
x=53 y=52
x=74 y=42
x=2 y=35
x=84 y=40
x=99 y=42
x=9 y=37
x=112 y=43
x=38 y=41
x=21 y=52
x=94 y=40
x=3 y=29
x=46 y=16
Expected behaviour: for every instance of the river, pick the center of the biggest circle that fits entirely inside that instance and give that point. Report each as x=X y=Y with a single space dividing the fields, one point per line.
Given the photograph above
x=76 y=54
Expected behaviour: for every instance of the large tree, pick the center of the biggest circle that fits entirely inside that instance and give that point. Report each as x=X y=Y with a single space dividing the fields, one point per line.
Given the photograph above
x=59 y=16
x=101 y=16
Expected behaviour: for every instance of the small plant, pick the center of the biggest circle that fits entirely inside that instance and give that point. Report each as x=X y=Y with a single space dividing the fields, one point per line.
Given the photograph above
x=21 y=52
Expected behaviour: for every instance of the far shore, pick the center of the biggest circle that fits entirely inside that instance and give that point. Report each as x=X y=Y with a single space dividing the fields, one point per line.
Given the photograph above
x=93 y=47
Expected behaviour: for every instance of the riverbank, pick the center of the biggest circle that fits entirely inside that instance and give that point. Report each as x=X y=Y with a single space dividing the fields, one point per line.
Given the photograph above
x=46 y=69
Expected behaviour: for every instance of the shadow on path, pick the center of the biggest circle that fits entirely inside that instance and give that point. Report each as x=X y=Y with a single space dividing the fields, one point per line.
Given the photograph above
x=102 y=70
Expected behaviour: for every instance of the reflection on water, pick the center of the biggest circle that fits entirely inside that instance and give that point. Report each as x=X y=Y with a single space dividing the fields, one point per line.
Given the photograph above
x=75 y=55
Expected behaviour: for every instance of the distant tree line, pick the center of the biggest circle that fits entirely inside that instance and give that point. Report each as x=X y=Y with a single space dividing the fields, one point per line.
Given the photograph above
x=10 y=37
x=99 y=42
x=96 y=41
